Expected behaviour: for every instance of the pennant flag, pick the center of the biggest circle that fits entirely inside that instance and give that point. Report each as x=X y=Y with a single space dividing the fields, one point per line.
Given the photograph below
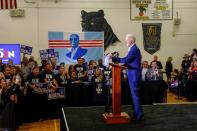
x=90 y=45
x=8 y=4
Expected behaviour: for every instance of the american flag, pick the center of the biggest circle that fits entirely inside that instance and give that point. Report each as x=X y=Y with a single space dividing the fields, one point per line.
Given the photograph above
x=87 y=40
x=8 y=4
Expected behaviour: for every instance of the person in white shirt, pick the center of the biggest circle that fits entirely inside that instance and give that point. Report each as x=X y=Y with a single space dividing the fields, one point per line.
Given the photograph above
x=144 y=69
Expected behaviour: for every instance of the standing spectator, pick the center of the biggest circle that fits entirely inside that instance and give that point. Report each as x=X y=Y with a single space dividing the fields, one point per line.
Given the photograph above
x=32 y=63
x=101 y=66
x=184 y=69
x=10 y=63
x=25 y=68
x=194 y=54
x=90 y=72
x=49 y=77
x=7 y=75
x=193 y=71
x=43 y=63
x=62 y=77
x=2 y=66
x=169 y=68
x=155 y=58
x=192 y=83
x=80 y=69
x=144 y=69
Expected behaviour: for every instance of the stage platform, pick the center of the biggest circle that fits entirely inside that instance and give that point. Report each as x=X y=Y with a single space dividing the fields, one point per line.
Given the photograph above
x=159 y=117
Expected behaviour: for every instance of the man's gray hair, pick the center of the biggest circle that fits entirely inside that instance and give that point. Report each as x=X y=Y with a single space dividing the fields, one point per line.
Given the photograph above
x=131 y=36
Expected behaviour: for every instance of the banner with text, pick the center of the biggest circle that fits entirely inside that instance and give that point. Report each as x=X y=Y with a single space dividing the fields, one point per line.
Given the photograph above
x=151 y=9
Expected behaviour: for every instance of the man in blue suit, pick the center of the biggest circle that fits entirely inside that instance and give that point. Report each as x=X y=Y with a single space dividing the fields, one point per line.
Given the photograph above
x=133 y=63
x=76 y=51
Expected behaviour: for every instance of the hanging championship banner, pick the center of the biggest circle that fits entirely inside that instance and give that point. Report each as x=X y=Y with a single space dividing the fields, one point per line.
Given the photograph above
x=151 y=37
x=151 y=9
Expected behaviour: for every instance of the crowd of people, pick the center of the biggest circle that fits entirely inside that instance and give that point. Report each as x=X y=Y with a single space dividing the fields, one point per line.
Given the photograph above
x=27 y=86
x=184 y=80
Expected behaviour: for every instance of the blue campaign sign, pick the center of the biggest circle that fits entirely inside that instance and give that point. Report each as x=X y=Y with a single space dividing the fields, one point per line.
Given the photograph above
x=47 y=53
x=26 y=49
x=58 y=93
x=44 y=54
x=10 y=51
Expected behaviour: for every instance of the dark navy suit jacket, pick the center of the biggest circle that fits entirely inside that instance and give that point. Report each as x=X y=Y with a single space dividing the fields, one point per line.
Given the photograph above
x=79 y=53
x=133 y=62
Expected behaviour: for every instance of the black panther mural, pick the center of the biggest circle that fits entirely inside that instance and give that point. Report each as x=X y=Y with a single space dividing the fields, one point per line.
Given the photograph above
x=95 y=21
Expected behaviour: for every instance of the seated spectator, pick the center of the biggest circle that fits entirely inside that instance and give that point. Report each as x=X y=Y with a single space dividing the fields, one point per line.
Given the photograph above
x=144 y=69
x=174 y=82
x=154 y=73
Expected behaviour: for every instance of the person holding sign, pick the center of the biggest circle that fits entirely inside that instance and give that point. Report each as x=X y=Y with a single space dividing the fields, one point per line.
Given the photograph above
x=132 y=62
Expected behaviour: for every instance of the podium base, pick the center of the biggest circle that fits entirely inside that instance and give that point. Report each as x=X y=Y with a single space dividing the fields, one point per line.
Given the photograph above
x=109 y=118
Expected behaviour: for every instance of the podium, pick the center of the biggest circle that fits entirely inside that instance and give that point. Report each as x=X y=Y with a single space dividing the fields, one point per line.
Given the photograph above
x=116 y=116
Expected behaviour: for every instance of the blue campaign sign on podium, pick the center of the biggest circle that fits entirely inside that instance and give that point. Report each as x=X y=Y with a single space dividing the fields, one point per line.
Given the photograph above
x=70 y=46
